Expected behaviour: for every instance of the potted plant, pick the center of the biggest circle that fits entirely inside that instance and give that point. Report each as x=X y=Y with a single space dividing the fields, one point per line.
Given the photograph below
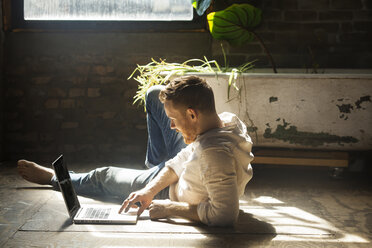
x=236 y=24
x=327 y=111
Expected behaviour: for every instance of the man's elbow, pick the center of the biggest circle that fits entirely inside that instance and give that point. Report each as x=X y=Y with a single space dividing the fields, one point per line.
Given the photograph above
x=224 y=219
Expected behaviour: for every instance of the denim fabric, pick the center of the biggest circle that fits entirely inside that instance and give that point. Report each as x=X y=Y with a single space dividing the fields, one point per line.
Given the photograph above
x=113 y=182
x=163 y=144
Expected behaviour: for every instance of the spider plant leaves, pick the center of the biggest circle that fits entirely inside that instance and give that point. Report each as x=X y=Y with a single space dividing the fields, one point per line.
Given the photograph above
x=159 y=72
x=201 y=6
x=235 y=24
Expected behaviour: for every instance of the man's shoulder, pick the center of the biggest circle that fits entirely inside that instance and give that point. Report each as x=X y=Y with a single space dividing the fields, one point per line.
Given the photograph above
x=217 y=140
x=228 y=117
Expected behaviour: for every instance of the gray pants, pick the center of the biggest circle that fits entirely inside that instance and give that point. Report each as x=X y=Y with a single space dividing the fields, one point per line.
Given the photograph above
x=113 y=182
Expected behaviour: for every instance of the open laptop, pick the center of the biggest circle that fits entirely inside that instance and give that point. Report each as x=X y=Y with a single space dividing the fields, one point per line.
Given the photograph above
x=88 y=214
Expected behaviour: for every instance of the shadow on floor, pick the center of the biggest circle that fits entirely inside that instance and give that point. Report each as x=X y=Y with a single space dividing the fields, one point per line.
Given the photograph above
x=248 y=231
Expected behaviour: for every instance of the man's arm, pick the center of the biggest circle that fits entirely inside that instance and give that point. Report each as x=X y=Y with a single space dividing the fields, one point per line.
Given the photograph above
x=160 y=209
x=144 y=196
x=220 y=179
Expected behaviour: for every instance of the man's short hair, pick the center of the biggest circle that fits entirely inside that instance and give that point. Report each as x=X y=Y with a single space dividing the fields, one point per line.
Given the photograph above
x=189 y=92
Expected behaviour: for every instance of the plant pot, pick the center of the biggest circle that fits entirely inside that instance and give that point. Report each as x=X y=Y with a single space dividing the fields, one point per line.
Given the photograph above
x=296 y=110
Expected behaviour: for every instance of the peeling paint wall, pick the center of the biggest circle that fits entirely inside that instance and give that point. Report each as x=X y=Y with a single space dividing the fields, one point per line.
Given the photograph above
x=346 y=108
x=289 y=133
x=302 y=110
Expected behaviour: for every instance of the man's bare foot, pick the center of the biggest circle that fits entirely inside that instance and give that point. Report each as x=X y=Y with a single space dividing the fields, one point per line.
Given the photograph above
x=34 y=173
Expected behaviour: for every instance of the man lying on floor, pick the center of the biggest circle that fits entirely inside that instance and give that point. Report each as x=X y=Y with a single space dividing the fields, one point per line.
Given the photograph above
x=200 y=181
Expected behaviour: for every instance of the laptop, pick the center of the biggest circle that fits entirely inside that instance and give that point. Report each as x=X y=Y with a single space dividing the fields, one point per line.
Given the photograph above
x=88 y=214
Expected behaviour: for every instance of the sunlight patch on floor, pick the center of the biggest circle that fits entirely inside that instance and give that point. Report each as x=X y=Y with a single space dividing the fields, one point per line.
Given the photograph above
x=292 y=223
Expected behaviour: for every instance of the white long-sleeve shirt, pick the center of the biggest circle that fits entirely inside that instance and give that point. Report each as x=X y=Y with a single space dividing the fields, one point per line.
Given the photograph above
x=213 y=171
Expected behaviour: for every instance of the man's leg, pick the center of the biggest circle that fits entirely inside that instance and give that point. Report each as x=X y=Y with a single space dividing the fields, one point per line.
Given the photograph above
x=111 y=181
x=163 y=142
x=105 y=181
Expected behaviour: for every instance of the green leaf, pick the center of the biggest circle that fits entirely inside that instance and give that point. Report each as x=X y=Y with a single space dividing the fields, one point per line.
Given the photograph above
x=201 y=6
x=158 y=72
x=235 y=24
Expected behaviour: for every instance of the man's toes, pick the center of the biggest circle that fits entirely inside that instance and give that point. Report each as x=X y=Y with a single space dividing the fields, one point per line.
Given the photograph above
x=21 y=163
x=25 y=163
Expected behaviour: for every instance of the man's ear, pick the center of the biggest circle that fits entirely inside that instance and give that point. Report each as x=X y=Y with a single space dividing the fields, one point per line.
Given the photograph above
x=192 y=113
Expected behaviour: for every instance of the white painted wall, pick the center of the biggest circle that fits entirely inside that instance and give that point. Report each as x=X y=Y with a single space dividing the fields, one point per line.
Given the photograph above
x=323 y=111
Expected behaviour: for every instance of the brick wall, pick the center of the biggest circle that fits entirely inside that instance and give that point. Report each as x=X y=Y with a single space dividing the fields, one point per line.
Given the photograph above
x=67 y=92
x=1 y=86
x=310 y=34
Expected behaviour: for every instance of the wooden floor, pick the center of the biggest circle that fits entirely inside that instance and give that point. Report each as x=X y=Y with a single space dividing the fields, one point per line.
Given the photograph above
x=282 y=207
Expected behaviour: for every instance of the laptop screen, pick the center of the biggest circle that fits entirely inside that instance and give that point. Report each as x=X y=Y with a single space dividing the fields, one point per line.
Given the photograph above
x=65 y=185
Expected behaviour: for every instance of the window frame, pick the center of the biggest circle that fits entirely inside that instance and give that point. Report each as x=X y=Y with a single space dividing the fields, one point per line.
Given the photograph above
x=14 y=21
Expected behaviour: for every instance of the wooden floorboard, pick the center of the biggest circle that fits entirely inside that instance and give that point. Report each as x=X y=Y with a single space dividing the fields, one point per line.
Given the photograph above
x=302 y=158
x=281 y=208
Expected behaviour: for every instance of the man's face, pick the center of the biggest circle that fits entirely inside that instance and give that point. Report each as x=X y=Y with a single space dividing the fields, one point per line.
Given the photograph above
x=182 y=121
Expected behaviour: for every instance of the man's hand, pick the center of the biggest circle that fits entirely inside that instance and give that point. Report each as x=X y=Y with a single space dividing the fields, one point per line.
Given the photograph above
x=160 y=209
x=143 y=196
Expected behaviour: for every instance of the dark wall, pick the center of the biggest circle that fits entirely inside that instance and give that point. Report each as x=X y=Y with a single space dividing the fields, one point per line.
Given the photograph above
x=66 y=92
x=1 y=86
x=310 y=34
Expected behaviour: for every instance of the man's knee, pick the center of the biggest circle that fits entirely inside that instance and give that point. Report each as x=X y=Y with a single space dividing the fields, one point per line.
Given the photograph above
x=152 y=94
x=99 y=175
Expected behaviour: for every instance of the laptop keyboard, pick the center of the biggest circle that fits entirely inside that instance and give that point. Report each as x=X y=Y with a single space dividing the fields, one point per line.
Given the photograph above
x=97 y=213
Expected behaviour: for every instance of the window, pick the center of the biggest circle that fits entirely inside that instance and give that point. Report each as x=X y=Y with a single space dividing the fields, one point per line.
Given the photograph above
x=103 y=15
x=108 y=10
